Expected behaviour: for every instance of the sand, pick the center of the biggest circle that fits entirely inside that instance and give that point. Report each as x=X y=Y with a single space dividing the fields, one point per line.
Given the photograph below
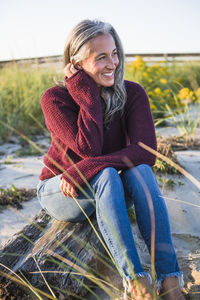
x=183 y=203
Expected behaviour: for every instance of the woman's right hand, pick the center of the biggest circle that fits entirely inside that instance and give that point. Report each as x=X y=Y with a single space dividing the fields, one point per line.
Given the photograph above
x=67 y=189
x=69 y=70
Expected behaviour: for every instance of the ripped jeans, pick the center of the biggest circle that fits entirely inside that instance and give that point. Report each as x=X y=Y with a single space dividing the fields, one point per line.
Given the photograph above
x=113 y=194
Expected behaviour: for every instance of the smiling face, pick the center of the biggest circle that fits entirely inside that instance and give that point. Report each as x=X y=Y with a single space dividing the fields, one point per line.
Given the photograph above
x=102 y=60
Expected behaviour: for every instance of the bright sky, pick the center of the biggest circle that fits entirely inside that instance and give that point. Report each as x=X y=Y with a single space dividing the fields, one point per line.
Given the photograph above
x=31 y=28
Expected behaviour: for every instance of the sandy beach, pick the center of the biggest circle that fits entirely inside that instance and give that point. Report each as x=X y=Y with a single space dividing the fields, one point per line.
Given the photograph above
x=182 y=200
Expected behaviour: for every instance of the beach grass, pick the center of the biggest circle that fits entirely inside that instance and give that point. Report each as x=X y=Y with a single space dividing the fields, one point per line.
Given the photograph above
x=21 y=88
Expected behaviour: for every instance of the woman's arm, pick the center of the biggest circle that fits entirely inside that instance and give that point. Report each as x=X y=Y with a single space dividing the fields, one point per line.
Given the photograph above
x=81 y=131
x=140 y=128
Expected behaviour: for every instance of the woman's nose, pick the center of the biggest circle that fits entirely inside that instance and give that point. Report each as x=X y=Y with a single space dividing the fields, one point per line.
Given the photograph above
x=111 y=62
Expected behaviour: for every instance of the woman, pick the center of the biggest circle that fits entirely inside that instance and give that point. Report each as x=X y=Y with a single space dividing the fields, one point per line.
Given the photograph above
x=96 y=120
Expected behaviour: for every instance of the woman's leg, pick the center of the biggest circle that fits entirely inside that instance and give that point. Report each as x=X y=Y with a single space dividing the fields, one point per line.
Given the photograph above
x=61 y=207
x=140 y=183
x=113 y=221
x=111 y=214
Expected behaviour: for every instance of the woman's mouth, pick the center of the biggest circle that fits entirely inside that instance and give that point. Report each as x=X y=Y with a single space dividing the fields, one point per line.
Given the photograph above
x=108 y=74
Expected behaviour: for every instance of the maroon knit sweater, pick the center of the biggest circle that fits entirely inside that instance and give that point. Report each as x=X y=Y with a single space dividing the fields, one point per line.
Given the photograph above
x=79 y=141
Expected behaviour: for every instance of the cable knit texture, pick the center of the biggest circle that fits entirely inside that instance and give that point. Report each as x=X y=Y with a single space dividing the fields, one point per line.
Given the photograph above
x=79 y=141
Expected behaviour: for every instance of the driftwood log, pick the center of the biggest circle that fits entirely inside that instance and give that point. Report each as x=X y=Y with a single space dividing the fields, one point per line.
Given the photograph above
x=62 y=259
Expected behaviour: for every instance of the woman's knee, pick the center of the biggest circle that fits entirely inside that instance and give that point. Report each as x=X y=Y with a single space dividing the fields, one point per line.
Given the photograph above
x=70 y=213
x=107 y=183
x=145 y=171
x=109 y=172
x=144 y=168
x=141 y=174
x=65 y=208
x=107 y=175
x=147 y=178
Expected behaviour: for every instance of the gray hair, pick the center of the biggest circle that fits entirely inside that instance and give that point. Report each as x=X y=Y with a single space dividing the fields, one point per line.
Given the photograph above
x=75 y=48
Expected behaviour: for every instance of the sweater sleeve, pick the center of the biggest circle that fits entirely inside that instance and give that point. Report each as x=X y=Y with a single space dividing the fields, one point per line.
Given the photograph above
x=140 y=127
x=81 y=131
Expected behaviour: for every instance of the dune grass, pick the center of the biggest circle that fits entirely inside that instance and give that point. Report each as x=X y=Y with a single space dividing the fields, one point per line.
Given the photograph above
x=21 y=88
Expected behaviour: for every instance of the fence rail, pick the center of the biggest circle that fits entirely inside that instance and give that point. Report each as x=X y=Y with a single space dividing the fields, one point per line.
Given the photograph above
x=178 y=57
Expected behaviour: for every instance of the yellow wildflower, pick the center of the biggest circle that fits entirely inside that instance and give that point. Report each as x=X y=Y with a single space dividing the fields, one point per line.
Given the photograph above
x=139 y=63
x=163 y=80
x=183 y=93
x=157 y=90
x=152 y=105
x=191 y=94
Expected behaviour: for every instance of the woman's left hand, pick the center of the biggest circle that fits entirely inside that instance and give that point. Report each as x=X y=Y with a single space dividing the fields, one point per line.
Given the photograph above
x=67 y=189
x=69 y=70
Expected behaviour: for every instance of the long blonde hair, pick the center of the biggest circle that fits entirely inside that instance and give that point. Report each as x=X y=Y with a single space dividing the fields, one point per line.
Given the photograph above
x=114 y=97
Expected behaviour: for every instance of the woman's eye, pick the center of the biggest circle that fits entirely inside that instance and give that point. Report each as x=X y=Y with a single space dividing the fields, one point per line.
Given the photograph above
x=101 y=57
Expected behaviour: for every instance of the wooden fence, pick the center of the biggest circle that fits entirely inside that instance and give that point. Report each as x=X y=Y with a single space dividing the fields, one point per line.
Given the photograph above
x=151 y=57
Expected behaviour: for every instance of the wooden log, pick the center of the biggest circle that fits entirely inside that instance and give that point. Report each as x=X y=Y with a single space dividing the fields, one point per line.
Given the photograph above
x=69 y=255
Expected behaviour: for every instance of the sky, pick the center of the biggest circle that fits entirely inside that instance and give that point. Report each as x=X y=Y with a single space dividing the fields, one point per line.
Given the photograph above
x=33 y=28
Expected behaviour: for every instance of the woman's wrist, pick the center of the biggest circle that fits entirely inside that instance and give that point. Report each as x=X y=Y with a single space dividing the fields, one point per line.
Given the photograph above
x=83 y=89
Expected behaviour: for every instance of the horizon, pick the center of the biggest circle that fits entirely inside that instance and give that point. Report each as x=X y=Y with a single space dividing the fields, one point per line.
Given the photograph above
x=35 y=29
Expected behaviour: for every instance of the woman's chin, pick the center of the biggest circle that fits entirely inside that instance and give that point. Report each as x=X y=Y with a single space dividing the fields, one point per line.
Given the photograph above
x=107 y=84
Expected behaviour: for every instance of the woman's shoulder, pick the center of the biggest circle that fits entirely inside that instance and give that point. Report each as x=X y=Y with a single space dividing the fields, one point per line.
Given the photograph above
x=133 y=87
x=55 y=97
x=136 y=94
x=55 y=91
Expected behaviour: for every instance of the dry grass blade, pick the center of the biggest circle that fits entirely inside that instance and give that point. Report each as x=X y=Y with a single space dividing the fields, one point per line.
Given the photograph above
x=44 y=278
x=22 y=282
x=181 y=201
x=83 y=272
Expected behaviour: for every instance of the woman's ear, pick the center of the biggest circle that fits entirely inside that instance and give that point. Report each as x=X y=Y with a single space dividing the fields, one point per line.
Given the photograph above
x=77 y=65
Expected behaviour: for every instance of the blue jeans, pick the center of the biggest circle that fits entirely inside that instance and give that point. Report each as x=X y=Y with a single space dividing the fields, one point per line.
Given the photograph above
x=113 y=194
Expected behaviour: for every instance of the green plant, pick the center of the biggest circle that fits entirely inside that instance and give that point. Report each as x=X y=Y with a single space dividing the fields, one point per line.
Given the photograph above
x=165 y=83
x=9 y=161
x=14 y=196
x=184 y=120
x=164 y=147
x=167 y=182
x=28 y=151
x=21 y=88
x=180 y=183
